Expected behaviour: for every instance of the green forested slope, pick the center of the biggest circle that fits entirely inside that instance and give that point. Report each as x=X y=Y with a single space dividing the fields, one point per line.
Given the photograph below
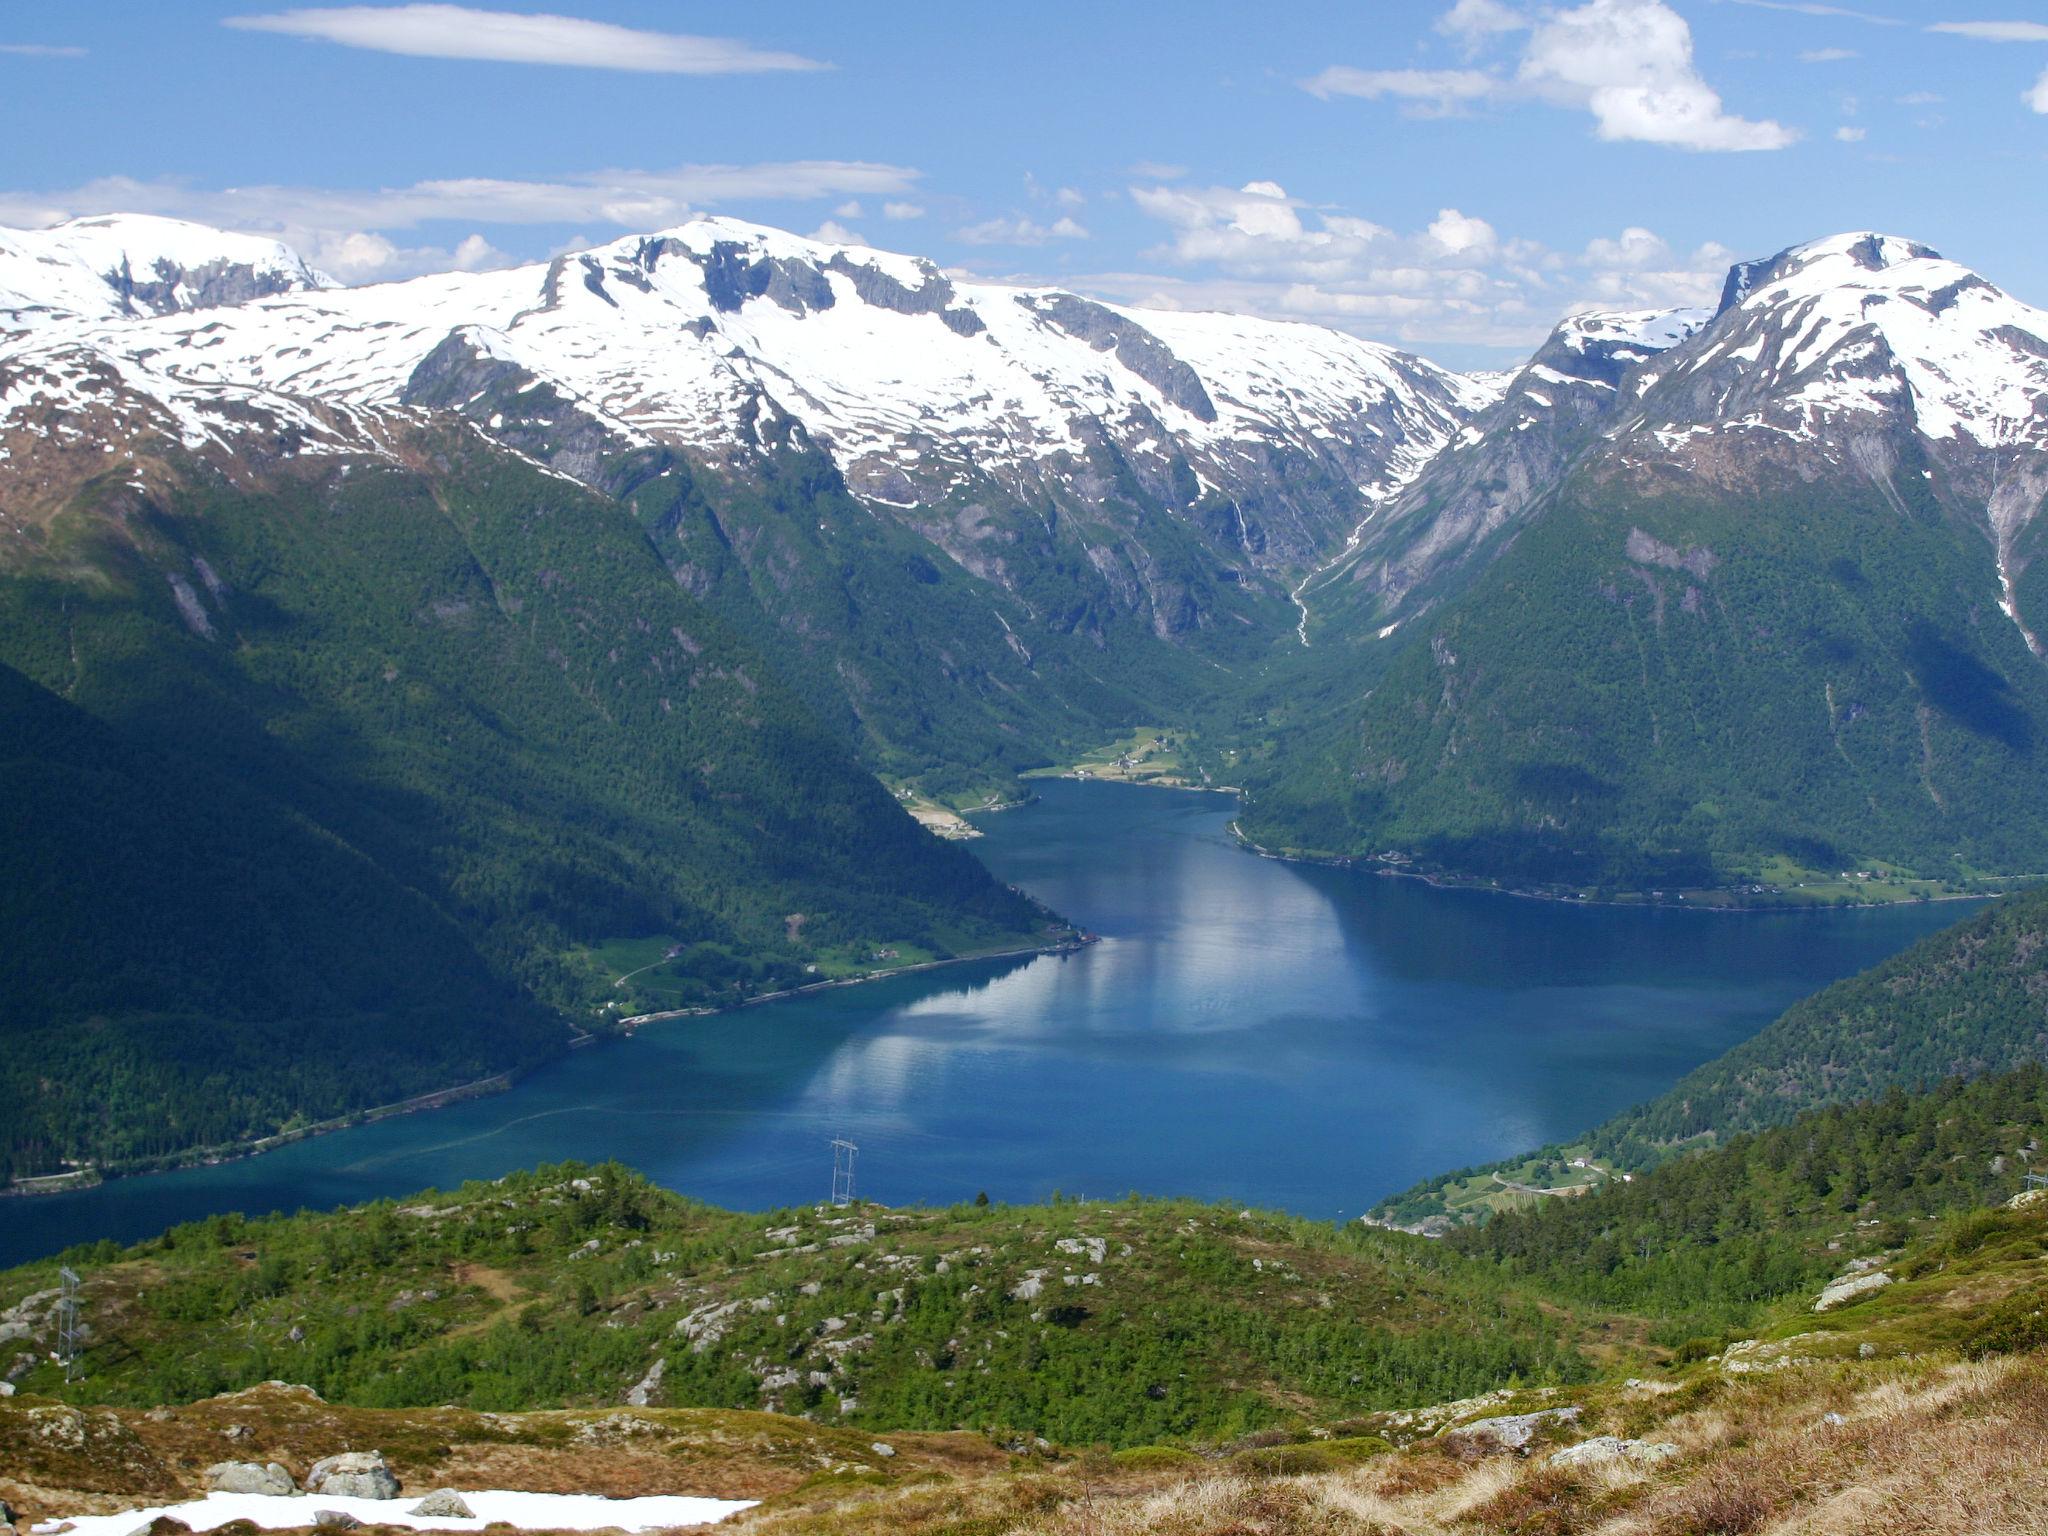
x=473 y=690
x=1664 y=685
x=1704 y=1241
x=1964 y=1003
x=189 y=961
x=1968 y=1000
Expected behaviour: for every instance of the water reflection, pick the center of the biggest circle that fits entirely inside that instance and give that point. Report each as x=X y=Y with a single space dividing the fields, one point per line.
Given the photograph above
x=1247 y=1030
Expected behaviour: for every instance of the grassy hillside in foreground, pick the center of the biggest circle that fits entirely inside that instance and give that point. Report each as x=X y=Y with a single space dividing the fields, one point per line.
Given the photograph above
x=1124 y=1322
x=1919 y=1410
x=467 y=695
x=1969 y=1000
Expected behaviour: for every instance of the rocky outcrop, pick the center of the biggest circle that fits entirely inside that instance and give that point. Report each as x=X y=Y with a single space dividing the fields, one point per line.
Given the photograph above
x=444 y=1504
x=1851 y=1288
x=353 y=1475
x=250 y=1477
x=1508 y=1434
x=1607 y=1448
x=648 y=1387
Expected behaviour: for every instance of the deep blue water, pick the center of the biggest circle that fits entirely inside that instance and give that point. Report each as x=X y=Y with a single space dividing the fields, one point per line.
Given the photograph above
x=1248 y=1030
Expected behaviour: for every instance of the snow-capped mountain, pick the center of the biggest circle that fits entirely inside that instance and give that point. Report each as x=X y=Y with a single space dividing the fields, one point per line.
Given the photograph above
x=123 y=266
x=1843 y=356
x=1697 y=602
x=937 y=400
x=1494 y=473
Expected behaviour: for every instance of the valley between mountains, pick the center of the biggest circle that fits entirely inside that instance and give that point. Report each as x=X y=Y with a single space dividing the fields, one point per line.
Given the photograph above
x=569 y=638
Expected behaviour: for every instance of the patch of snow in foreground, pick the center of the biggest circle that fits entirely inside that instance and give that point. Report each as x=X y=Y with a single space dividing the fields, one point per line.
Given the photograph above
x=528 y=1511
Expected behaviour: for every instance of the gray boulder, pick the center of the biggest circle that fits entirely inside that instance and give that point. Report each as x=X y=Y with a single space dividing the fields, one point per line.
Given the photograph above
x=444 y=1504
x=353 y=1475
x=1603 y=1448
x=250 y=1477
x=336 y=1520
x=1508 y=1433
x=1851 y=1287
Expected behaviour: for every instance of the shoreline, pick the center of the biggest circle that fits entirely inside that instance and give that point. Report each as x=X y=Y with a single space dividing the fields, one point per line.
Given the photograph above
x=1476 y=886
x=1064 y=947
x=77 y=1181
x=235 y=1152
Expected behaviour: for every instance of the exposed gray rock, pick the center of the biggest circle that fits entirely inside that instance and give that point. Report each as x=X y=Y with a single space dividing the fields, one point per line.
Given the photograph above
x=1507 y=1433
x=880 y=1448
x=1850 y=1288
x=353 y=1475
x=1135 y=347
x=1603 y=1448
x=648 y=1387
x=250 y=1477
x=336 y=1520
x=444 y=1504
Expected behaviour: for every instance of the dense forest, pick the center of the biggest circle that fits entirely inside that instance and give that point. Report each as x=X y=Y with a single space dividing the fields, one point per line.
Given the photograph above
x=1703 y=1242
x=349 y=746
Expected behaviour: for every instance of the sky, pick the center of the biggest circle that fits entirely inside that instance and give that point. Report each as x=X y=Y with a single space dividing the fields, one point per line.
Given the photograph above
x=1445 y=177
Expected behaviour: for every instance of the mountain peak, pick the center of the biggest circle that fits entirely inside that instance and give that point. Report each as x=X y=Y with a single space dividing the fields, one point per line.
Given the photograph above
x=1833 y=261
x=124 y=265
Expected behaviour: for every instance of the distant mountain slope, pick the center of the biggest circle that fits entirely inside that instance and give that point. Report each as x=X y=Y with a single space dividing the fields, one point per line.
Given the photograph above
x=1748 y=607
x=1970 y=1000
x=191 y=961
x=976 y=524
x=472 y=725
x=131 y=265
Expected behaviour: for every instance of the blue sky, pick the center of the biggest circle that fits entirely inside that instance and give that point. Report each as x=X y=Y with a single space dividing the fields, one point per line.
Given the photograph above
x=1444 y=177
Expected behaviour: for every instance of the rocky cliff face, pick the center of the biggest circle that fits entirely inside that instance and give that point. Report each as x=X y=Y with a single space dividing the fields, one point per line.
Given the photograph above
x=1495 y=474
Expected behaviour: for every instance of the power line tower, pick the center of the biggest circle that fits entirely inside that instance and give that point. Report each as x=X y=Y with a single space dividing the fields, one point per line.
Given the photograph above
x=67 y=1323
x=843 y=1154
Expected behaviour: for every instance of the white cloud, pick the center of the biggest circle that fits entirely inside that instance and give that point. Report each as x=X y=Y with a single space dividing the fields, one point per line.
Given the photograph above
x=1627 y=62
x=2036 y=95
x=625 y=199
x=1635 y=250
x=1848 y=135
x=1069 y=197
x=902 y=211
x=1458 y=280
x=1157 y=170
x=850 y=209
x=834 y=233
x=1432 y=92
x=460 y=32
x=1019 y=231
x=362 y=256
x=43 y=50
x=1461 y=234
x=344 y=230
x=1474 y=22
x=1996 y=31
x=1800 y=8
x=1828 y=55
